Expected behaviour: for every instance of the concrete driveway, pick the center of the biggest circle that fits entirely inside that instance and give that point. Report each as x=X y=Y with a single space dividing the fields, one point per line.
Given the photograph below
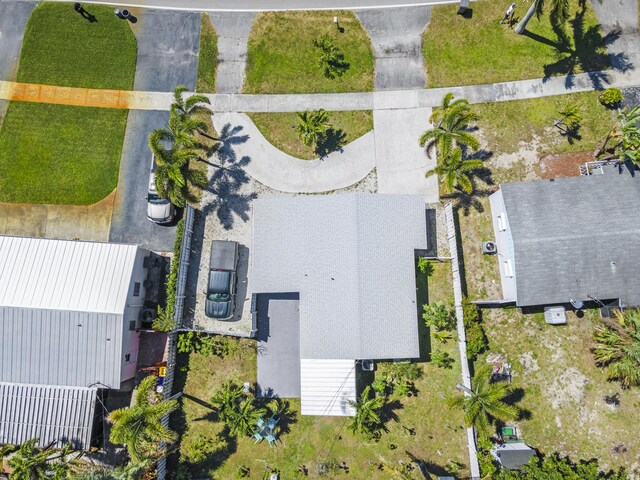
x=168 y=45
x=13 y=19
x=396 y=34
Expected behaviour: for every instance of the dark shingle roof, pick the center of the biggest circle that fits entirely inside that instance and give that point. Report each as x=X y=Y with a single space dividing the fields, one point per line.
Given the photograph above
x=575 y=237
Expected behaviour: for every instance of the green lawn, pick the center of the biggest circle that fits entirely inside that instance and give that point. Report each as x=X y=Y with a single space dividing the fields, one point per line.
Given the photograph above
x=505 y=125
x=277 y=129
x=439 y=438
x=282 y=59
x=59 y=154
x=461 y=51
x=61 y=47
x=207 y=56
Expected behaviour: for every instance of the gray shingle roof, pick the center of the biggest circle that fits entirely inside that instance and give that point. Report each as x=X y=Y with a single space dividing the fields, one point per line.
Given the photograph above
x=351 y=258
x=575 y=237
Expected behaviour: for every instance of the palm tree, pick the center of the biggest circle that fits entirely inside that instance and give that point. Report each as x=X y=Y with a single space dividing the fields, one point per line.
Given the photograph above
x=29 y=462
x=617 y=347
x=367 y=418
x=450 y=121
x=140 y=426
x=193 y=105
x=236 y=409
x=174 y=176
x=625 y=136
x=558 y=14
x=484 y=402
x=312 y=126
x=454 y=170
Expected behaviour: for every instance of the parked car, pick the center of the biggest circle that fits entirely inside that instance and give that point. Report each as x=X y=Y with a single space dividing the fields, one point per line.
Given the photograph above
x=221 y=288
x=159 y=210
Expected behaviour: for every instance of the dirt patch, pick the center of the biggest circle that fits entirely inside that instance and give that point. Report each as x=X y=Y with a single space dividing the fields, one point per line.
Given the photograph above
x=564 y=164
x=567 y=388
x=528 y=362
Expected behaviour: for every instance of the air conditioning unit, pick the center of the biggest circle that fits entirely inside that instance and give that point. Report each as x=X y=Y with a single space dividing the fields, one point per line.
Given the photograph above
x=489 y=248
x=367 y=365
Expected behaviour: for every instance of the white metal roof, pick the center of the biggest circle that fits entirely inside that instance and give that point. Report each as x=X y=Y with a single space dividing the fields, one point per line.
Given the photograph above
x=51 y=414
x=327 y=387
x=67 y=275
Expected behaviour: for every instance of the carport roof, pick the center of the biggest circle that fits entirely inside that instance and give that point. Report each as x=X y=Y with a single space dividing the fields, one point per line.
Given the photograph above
x=352 y=260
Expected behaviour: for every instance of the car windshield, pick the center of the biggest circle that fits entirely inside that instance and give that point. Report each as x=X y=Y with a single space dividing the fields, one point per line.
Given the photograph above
x=219 y=297
x=154 y=198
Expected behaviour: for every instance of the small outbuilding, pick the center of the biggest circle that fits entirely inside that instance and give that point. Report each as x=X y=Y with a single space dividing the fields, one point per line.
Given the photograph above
x=513 y=456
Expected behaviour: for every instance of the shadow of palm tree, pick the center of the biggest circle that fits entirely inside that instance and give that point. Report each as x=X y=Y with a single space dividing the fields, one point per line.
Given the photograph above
x=228 y=178
x=332 y=141
x=586 y=52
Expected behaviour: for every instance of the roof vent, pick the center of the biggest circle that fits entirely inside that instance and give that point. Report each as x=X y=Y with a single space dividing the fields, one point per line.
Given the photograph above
x=489 y=248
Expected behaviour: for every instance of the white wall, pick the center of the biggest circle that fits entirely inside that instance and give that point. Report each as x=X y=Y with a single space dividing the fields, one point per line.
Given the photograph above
x=504 y=241
x=133 y=310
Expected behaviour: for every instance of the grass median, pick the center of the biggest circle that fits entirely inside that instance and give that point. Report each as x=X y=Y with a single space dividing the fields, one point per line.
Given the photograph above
x=278 y=129
x=207 y=56
x=282 y=58
x=460 y=51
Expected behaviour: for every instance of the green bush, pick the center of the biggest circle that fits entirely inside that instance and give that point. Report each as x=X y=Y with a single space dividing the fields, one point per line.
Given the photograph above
x=477 y=341
x=442 y=359
x=440 y=316
x=205 y=344
x=611 y=97
x=425 y=266
x=165 y=321
x=554 y=466
x=204 y=447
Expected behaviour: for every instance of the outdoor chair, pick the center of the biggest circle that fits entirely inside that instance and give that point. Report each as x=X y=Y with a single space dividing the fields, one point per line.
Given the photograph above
x=271 y=438
x=258 y=436
x=260 y=423
x=273 y=421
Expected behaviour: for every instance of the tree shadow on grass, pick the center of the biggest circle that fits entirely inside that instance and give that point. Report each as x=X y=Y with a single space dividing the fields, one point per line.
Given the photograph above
x=585 y=50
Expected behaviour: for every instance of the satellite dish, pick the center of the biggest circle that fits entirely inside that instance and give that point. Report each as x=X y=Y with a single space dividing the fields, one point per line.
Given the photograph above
x=577 y=304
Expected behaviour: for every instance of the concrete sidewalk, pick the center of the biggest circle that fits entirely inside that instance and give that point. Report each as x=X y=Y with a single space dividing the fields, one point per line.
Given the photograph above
x=383 y=100
x=285 y=173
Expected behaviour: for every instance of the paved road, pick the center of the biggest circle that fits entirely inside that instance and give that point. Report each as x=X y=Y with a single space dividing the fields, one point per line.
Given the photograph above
x=167 y=56
x=265 y=5
x=233 y=30
x=397 y=40
x=13 y=19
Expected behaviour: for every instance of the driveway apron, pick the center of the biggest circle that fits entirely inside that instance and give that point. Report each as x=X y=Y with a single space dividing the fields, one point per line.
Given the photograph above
x=396 y=34
x=233 y=30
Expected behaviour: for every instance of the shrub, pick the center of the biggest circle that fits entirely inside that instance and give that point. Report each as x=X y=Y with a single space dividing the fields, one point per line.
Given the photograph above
x=477 y=341
x=611 y=97
x=425 y=266
x=165 y=321
x=442 y=359
x=203 y=447
x=401 y=370
x=205 y=344
x=439 y=316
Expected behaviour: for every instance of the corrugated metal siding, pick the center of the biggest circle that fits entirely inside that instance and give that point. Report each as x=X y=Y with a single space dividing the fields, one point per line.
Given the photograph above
x=65 y=275
x=327 y=386
x=56 y=347
x=51 y=414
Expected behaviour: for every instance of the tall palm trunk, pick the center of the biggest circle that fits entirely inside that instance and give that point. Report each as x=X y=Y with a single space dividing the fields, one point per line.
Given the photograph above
x=522 y=25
